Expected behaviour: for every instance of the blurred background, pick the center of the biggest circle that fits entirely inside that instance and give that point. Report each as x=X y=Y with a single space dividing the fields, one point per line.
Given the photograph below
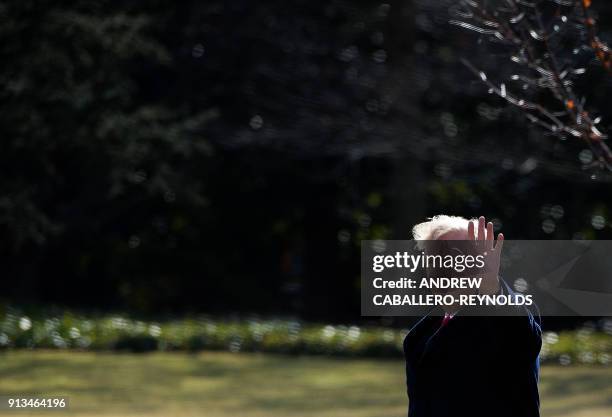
x=194 y=180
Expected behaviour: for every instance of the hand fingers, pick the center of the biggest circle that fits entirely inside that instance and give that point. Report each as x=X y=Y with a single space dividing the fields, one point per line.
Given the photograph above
x=471 y=230
x=490 y=236
x=500 y=242
x=481 y=228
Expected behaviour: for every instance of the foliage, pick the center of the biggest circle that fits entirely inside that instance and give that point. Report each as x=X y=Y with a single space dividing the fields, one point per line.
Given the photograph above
x=545 y=41
x=80 y=139
x=67 y=330
x=219 y=157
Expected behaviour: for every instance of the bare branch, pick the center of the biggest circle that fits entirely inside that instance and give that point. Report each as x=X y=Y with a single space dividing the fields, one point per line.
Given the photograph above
x=520 y=25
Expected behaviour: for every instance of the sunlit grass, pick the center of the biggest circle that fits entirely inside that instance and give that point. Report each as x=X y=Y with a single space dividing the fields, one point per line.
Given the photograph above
x=215 y=384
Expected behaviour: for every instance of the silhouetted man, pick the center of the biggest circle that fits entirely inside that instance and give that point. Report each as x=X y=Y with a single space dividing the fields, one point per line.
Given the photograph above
x=459 y=365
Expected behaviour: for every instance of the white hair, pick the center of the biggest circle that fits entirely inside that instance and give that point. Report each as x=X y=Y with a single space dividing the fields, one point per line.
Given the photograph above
x=439 y=225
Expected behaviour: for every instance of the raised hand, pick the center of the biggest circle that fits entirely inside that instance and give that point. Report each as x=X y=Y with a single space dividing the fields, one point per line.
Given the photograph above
x=485 y=244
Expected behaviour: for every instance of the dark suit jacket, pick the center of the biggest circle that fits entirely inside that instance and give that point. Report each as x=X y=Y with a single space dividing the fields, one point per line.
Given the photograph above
x=474 y=366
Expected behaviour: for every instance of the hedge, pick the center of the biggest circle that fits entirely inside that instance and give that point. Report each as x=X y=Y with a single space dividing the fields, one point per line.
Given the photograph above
x=63 y=329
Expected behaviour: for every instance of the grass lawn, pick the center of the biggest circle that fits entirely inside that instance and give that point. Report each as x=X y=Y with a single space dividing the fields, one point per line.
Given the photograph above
x=214 y=384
